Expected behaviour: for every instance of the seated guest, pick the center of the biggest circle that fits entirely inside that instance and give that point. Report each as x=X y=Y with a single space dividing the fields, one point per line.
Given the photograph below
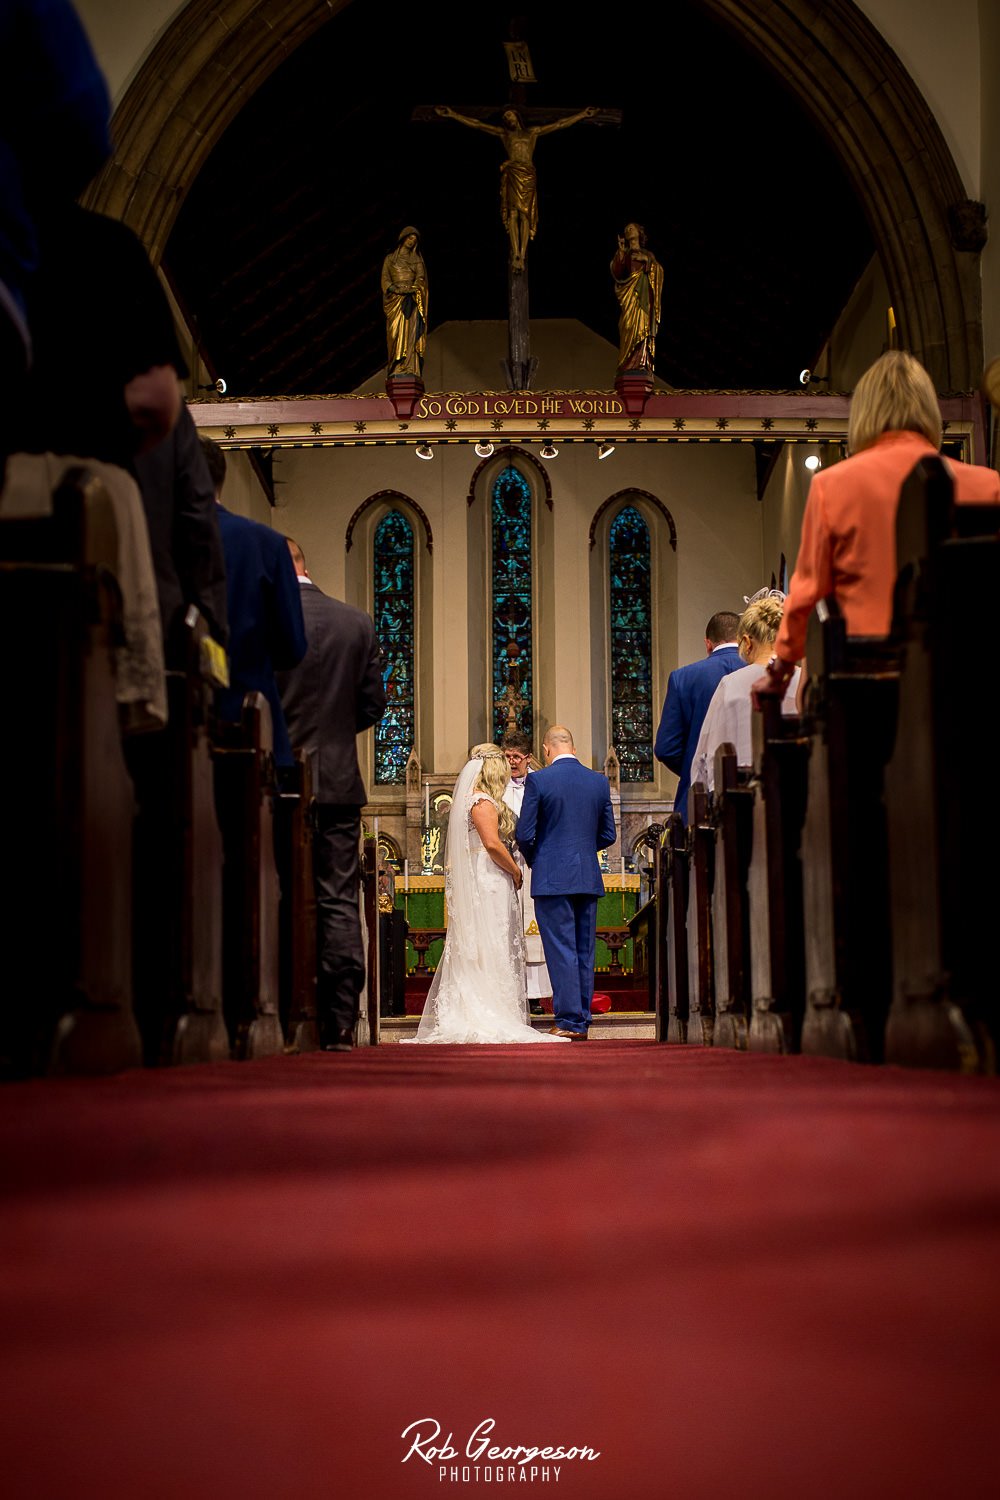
x=728 y=718
x=53 y=139
x=848 y=544
x=266 y=631
x=179 y=500
x=102 y=388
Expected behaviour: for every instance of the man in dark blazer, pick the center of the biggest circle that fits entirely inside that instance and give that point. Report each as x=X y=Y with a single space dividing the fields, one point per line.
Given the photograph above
x=566 y=816
x=266 y=630
x=178 y=497
x=329 y=698
x=689 y=692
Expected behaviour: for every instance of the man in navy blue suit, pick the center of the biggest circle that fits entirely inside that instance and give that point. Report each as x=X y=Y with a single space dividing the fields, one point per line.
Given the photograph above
x=689 y=692
x=566 y=816
x=267 y=633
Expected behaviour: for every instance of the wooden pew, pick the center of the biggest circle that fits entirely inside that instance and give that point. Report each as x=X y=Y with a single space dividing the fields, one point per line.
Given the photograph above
x=244 y=789
x=178 y=871
x=731 y=815
x=944 y=835
x=393 y=936
x=66 y=886
x=672 y=900
x=851 y=707
x=298 y=974
x=701 y=845
x=777 y=940
x=644 y=925
x=368 y=1031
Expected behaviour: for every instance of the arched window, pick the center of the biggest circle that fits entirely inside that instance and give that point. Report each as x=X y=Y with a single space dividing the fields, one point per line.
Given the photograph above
x=393 y=593
x=631 y=645
x=511 y=587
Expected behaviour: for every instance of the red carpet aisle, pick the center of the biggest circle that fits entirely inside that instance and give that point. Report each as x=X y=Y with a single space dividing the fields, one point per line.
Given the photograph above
x=731 y=1276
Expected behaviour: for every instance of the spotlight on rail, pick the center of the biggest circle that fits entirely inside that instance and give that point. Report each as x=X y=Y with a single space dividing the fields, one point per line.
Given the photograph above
x=424 y=450
x=548 y=450
x=605 y=450
x=485 y=450
x=813 y=462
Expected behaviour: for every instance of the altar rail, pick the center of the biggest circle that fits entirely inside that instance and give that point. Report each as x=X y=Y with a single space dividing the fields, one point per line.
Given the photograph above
x=839 y=897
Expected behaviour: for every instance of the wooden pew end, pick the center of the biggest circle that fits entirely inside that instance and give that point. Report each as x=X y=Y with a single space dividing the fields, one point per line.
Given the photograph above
x=201 y=1036
x=768 y=1029
x=826 y=1030
x=94 y=1040
x=928 y=1030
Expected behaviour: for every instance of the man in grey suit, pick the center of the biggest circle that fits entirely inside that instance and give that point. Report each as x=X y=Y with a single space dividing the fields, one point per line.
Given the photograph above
x=334 y=693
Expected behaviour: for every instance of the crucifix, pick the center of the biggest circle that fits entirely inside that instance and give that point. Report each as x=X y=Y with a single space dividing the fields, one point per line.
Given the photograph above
x=518 y=134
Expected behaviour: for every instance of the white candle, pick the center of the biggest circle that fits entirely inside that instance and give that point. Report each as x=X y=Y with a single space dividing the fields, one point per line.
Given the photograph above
x=376 y=830
x=427 y=804
x=623 y=871
x=406 y=874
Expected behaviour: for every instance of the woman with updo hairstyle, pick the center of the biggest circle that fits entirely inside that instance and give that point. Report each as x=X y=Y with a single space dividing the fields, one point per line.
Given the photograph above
x=729 y=713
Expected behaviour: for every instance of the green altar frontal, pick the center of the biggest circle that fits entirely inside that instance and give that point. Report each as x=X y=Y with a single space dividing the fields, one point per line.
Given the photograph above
x=422 y=903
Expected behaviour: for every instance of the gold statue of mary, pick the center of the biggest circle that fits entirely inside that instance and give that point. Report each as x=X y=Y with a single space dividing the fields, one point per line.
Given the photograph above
x=404 y=302
x=638 y=278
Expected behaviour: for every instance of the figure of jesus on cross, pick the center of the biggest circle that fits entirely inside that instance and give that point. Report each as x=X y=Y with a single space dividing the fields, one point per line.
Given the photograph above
x=518 y=183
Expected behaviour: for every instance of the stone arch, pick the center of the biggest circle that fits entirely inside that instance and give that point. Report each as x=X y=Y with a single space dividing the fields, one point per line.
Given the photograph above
x=480 y=619
x=389 y=497
x=664 y=596
x=506 y=452
x=215 y=53
x=359 y=591
x=622 y=497
x=927 y=232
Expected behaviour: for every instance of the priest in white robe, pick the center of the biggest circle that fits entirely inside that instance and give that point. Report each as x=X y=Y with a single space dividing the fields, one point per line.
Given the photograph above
x=517 y=748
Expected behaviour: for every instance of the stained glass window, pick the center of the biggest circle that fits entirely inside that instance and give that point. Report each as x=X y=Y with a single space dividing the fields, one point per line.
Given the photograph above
x=511 y=578
x=631 y=646
x=393 y=565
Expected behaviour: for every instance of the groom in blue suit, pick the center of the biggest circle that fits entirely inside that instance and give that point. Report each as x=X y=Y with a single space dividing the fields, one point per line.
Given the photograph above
x=566 y=817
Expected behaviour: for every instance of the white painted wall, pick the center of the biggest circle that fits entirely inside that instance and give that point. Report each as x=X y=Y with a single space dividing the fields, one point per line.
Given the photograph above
x=989 y=20
x=938 y=42
x=122 y=32
x=708 y=489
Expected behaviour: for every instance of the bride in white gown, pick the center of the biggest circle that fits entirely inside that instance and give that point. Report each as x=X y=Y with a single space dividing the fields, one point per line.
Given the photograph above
x=477 y=993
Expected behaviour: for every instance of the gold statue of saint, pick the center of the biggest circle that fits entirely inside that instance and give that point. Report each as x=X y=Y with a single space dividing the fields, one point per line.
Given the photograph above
x=404 y=302
x=518 y=182
x=638 y=278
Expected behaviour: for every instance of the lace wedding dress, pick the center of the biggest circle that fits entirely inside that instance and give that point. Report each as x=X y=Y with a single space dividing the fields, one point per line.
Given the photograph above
x=477 y=993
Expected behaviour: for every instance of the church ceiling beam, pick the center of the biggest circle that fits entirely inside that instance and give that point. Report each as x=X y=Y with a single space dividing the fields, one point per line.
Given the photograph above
x=556 y=416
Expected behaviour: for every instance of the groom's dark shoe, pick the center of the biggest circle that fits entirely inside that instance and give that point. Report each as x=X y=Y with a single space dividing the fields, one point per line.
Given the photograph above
x=338 y=1039
x=574 y=1036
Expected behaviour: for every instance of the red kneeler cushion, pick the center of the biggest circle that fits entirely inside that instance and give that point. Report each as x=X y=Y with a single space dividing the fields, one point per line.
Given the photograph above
x=600 y=1004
